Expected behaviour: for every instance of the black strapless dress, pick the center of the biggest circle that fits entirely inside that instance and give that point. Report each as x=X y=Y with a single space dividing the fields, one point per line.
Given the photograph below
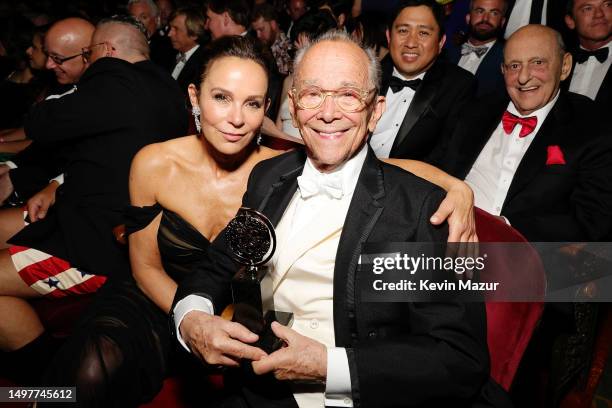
x=122 y=348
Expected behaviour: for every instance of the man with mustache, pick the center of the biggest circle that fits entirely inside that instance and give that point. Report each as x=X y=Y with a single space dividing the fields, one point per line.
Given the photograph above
x=482 y=53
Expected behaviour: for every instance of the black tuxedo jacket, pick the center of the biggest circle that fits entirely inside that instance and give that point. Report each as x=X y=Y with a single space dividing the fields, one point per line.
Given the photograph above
x=117 y=109
x=434 y=111
x=162 y=52
x=192 y=70
x=556 y=202
x=489 y=75
x=400 y=354
x=603 y=99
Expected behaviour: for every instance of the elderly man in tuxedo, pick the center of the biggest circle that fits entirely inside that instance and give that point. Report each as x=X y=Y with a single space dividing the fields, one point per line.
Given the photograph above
x=592 y=76
x=424 y=93
x=542 y=160
x=324 y=203
x=483 y=51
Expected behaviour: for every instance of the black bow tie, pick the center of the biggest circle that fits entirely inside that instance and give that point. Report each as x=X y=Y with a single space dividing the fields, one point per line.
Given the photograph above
x=396 y=84
x=583 y=55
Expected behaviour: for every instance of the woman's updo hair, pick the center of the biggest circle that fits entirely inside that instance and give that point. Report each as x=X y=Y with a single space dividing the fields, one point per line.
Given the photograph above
x=235 y=46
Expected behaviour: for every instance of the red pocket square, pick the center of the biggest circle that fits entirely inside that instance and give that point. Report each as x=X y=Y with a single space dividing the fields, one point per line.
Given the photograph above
x=555 y=156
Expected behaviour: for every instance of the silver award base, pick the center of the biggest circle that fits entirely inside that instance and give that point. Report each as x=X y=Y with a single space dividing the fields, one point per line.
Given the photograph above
x=248 y=308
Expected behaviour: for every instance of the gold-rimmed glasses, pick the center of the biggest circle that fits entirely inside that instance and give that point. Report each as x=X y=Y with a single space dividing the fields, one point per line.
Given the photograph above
x=348 y=99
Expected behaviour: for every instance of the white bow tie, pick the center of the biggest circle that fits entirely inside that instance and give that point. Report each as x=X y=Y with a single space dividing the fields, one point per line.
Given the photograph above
x=328 y=184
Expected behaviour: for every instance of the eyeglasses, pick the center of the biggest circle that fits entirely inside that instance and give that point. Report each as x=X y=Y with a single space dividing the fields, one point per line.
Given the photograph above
x=348 y=99
x=60 y=60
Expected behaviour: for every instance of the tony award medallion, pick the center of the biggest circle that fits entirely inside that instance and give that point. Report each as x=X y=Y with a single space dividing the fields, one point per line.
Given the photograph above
x=251 y=241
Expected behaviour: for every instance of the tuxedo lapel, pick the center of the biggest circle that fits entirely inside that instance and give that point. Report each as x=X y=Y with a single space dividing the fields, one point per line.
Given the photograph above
x=365 y=209
x=279 y=195
x=534 y=159
x=604 y=95
x=420 y=103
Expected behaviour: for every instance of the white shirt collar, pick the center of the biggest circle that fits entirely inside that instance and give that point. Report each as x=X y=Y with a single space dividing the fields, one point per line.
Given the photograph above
x=400 y=76
x=348 y=171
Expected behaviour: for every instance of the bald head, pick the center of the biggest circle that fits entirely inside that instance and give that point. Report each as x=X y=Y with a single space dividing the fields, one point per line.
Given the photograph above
x=535 y=63
x=119 y=39
x=67 y=38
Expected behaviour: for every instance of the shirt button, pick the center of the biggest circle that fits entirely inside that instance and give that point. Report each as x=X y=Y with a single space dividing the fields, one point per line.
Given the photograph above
x=314 y=324
x=347 y=401
x=497 y=209
x=372 y=334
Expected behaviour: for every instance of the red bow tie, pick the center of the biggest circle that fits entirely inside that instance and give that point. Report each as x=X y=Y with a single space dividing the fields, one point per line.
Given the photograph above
x=509 y=121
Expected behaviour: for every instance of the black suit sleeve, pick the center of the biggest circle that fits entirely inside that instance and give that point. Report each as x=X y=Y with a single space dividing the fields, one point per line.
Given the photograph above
x=70 y=116
x=440 y=359
x=589 y=217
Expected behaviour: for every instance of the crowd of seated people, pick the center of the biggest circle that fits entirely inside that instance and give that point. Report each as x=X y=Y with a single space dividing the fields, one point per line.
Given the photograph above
x=153 y=113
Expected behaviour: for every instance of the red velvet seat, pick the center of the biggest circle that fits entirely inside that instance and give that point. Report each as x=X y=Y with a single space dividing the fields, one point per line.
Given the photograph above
x=509 y=325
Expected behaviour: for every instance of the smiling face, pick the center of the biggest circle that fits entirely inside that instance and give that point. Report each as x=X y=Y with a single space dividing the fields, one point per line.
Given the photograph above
x=332 y=136
x=232 y=101
x=414 y=40
x=533 y=67
x=592 y=20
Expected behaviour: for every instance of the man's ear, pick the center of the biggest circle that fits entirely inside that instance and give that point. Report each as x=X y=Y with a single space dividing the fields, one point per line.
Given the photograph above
x=292 y=111
x=268 y=103
x=388 y=35
x=226 y=18
x=379 y=108
x=467 y=19
x=569 y=21
x=441 y=43
x=566 y=65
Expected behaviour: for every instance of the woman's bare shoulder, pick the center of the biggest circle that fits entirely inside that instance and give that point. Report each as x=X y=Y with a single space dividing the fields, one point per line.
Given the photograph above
x=159 y=158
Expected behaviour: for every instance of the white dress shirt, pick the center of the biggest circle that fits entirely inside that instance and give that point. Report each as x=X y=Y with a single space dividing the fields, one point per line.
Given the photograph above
x=470 y=62
x=396 y=108
x=519 y=17
x=181 y=63
x=588 y=76
x=493 y=170
x=313 y=319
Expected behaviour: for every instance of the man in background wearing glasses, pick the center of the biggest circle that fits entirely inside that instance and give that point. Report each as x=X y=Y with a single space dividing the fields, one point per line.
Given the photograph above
x=325 y=202
x=122 y=103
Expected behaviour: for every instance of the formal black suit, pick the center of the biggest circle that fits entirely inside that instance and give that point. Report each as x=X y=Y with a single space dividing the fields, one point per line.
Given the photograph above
x=603 y=99
x=400 y=354
x=162 y=52
x=190 y=74
x=489 y=76
x=434 y=111
x=117 y=109
x=559 y=202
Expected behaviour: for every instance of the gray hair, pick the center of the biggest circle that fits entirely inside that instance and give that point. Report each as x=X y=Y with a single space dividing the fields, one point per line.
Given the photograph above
x=374 y=72
x=150 y=3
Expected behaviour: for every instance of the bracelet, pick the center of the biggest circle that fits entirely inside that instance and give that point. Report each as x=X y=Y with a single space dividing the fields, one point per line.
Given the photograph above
x=2 y=139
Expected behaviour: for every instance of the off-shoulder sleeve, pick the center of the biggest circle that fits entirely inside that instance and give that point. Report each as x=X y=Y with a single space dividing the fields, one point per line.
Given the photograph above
x=137 y=218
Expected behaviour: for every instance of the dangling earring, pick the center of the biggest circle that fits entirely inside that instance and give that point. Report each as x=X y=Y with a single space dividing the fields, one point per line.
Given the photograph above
x=259 y=139
x=195 y=111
